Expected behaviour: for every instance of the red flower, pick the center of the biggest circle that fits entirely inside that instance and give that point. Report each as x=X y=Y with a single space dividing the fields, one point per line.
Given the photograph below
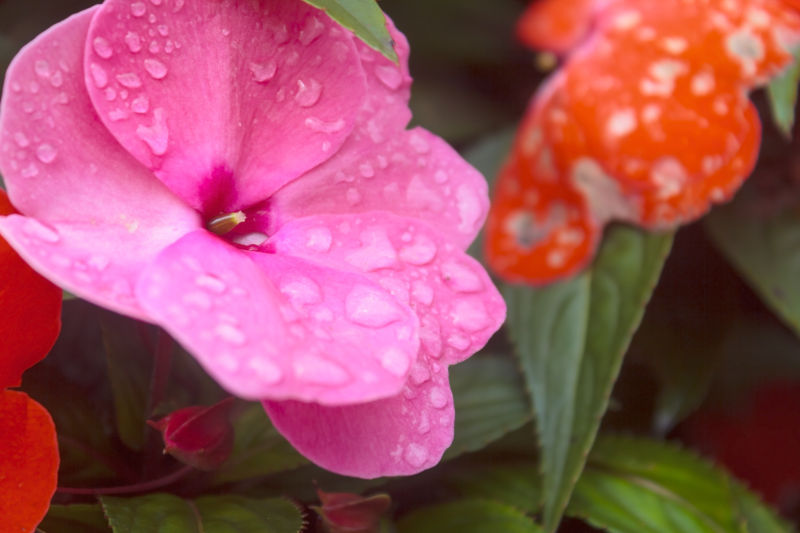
x=647 y=122
x=30 y=318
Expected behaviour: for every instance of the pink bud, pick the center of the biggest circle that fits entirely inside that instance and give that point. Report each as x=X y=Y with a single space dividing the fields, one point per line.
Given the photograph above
x=198 y=436
x=343 y=512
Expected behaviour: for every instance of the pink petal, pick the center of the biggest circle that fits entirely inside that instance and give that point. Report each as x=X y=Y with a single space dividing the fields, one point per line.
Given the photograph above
x=397 y=436
x=458 y=306
x=224 y=100
x=266 y=326
x=414 y=174
x=97 y=215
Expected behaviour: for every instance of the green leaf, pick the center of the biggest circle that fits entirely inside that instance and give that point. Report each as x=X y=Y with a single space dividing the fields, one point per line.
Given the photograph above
x=473 y=516
x=79 y=518
x=165 y=513
x=490 y=401
x=516 y=483
x=364 y=18
x=765 y=249
x=782 y=92
x=258 y=448
x=570 y=338
x=635 y=485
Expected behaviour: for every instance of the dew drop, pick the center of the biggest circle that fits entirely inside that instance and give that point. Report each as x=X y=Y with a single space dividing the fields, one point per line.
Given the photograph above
x=353 y=196
x=131 y=80
x=133 y=41
x=30 y=171
x=460 y=278
x=419 y=143
x=110 y=94
x=318 y=371
x=140 y=104
x=99 y=75
x=263 y=73
x=57 y=79
x=42 y=68
x=421 y=252
x=308 y=93
x=154 y=47
x=155 y=68
x=300 y=290
x=419 y=374
x=376 y=252
x=163 y=30
x=369 y=307
x=46 y=153
x=197 y=299
x=156 y=2
x=21 y=139
x=319 y=239
x=415 y=455
x=138 y=9
x=178 y=5
x=115 y=115
x=389 y=76
x=318 y=125
x=395 y=361
x=422 y=292
x=311 y=31
x=438 y=397
x=231 y=334
x=210 y=283
x=102 y=48
x=99 y=262
x=470 y=315
x=157 y=136
x=458 y=341
x=366 y=170
x=36 y=229
x=267 y=371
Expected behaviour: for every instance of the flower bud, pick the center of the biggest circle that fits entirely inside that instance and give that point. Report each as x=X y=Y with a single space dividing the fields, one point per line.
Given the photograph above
x=343 y=512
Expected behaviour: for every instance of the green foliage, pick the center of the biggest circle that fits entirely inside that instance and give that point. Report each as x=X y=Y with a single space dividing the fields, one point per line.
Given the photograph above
x=78 y=518
x=475 y=516
x=490 y=401
x=570 y=338
x=634 y=485
x=516 y=483
x=782 y=92
x=364 y=18
x=165 y=513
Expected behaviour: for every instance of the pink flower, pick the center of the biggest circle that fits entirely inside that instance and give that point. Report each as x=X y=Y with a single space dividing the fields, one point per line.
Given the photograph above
x=130 y=130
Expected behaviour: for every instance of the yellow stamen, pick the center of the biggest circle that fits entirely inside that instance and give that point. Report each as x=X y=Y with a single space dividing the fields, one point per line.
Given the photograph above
x=225 y=223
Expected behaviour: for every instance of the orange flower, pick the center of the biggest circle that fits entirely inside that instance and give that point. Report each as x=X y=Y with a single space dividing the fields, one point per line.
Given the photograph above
x=647 y=122
x=30 y=310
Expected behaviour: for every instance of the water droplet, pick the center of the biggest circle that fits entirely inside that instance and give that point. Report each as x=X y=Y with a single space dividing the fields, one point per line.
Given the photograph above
x=311 y=30
x=21 y=139
x=154 y=47
x=36 y=229
x=308 y=93
x=46 y=153
x=353 y=196
x=157 y=136
x=376 y=252
x=138 y=9
x=178 y=5
x=366 y=170
x=438 y=398
x=198 y=299
x=422 y=292
x=389 y=76
x=155 y=68
x=424 y=424
x=419 y=374
x=415 y=455
x=267 y=371
x=370 y=307
x=458 y=341
x=102 y=48
x=131 y=80
x=231 y=334
x=300 y=290
x=42 y=68
x=318 y=125
x=263 y=73
x=421 y=252
x=30 y=170
x=470 y=315
x=319 y=239
x=440 y=176
x=419 y=143
x=460 y=278
x=99 y=75
x=57 y=79
x=133 y=41
x=99 y=262
x=318 y=371
x=211 y=283
x=470 y=210
x=141 y=104
x=16 y=87
x=162 y=30
x=110 y=94
x=395 y=361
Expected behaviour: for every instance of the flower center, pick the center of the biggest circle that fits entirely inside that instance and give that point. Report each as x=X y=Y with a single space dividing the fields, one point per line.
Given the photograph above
x=223 y=224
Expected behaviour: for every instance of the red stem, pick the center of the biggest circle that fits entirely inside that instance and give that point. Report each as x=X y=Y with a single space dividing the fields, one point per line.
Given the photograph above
x=145 y=486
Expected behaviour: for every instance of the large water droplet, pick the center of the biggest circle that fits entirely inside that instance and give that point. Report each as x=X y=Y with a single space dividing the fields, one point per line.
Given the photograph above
x=36 y=229
x=370 y=307
x=30 y=170
x=376 y=252
x=318 y=125
x=263 y=73
x=421 y=252
x=470 y=315
x=57 y=79
x=366 y=170
x=157 y=136
x=422 y=292
x=155 y=68
x=210 y=283
x=311 y=30
x=42 y=68
x=308 y=92
x=438 y=397
x=389 y=76
x=267 y=371
x=46 y=153
x=140 y=104
x=319 y=239
x=156 y=2
x=419 y=143
x=138 y=9
x=301 y=290
x=131 y=80
x=231 y=334
x=470 y=210
x=415 y=455
x=460 y=278
x=318 y=371
x=133 y=41
x=353 y=196
x=102 y=48
x=419 y=374
x=99 y=75
x=21 y=139
x=163 y=30
x=395 y=361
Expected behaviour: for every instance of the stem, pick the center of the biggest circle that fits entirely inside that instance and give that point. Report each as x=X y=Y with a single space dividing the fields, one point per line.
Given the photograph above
x=120 y=468
x=145 y=486
x=161 y=367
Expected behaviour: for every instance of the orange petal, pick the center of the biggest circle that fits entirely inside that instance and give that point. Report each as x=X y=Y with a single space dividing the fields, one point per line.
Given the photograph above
x=555 y=25
x=30 y=312
x=28 y=461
